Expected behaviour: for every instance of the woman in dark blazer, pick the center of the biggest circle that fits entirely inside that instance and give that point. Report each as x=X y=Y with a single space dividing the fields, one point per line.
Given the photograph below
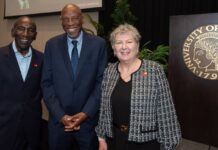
x=137 y=110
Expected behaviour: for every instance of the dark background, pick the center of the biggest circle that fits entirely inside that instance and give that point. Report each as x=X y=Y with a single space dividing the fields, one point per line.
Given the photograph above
x=153 y=16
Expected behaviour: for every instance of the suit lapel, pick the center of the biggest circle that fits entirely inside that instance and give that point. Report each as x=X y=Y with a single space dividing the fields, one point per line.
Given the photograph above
x=33 y=65
x=83 y=54
x=64 y=51
x=12 y=62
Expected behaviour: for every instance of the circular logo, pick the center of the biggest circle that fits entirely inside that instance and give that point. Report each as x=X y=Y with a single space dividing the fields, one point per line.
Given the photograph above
x=200 y=52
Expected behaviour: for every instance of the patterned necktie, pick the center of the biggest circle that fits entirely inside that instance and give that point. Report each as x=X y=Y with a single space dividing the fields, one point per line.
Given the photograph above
x=74 y=57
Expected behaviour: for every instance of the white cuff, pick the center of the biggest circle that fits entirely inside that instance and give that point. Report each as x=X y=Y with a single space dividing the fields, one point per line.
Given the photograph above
x=100 y=139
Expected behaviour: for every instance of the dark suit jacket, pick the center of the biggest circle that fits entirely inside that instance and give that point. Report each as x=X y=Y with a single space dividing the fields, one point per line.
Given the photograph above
x=66 y=94
x=20 y=102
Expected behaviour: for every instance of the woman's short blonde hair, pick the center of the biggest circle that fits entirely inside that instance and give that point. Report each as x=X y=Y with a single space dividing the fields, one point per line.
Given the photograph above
x=124 y=28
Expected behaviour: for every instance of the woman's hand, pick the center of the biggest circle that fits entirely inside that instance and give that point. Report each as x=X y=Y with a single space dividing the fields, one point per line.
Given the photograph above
x=102 y=144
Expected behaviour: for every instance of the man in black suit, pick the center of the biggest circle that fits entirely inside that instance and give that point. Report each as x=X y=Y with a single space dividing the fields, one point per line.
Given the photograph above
x=71 y=83
x=20 y=94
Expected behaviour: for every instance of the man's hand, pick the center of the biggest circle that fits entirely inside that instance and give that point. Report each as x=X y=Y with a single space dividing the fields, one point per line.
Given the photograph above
x=75 y=120
x=66 y=120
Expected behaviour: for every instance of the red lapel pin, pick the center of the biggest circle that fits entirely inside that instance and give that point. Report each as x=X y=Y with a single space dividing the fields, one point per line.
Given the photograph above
x=35 y=65
x=144 y=73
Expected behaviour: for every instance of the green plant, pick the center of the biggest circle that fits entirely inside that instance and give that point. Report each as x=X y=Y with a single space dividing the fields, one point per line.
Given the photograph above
x=122 y=13
x=98 y=26
x=160 y=54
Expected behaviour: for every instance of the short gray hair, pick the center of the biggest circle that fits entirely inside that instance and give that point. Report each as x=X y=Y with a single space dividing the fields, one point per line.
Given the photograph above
x=124 y=28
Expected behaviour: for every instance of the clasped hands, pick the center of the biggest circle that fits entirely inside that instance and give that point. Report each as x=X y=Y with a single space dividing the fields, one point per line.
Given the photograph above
x=72 y=123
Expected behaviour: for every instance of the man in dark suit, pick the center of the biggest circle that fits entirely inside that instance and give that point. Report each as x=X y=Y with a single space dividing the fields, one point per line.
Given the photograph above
x=71 y=83
x=20 y=95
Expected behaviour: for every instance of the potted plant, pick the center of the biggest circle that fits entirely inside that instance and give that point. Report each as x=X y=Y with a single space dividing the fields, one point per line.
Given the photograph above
x=159 y=54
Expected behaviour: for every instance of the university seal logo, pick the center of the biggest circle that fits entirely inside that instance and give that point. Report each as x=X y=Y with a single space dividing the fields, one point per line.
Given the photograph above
x=200 y=52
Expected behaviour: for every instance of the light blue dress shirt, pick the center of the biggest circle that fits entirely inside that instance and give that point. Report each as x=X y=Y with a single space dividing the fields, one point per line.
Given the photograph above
x=79 y=44
x=23 y=61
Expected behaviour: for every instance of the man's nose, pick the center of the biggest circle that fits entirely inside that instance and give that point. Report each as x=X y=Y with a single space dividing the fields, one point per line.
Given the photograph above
x=25 y=32
x=71 y=21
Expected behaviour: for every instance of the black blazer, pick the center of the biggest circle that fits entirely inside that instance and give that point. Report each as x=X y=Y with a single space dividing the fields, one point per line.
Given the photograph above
x=20 y=102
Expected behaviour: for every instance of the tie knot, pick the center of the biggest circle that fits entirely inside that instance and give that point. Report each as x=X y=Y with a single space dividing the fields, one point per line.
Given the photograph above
x=74 y=42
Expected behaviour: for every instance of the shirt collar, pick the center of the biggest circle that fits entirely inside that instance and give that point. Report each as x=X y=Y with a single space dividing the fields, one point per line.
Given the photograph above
x=79 y=38
x=17 y=52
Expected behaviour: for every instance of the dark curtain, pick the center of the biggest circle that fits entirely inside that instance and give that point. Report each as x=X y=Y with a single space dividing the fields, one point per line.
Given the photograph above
x=153 y=16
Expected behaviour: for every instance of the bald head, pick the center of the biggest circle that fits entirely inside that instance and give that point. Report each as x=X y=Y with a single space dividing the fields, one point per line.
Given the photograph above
x=25 y=19
x=72 y=7
x=72 y=20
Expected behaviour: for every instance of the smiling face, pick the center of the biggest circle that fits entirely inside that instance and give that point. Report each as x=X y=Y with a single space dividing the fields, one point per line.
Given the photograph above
x=125 y=47
x=24 y=32
x=72 y=20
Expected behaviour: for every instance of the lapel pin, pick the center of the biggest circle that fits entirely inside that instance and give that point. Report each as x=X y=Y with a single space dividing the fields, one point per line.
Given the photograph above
x=35 y=65
x=144 y=73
